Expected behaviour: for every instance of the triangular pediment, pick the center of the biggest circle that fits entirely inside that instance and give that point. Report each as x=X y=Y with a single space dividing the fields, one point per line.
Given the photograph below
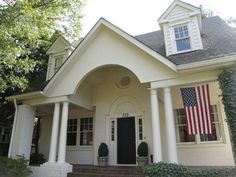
x=60 y=44
x=100 y=47
x=178 y=10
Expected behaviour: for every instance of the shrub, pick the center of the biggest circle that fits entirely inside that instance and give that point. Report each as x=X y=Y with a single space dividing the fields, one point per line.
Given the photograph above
x=37 y=159
x=14 y=167
x=103 y=150
x=173 y=170
x=143 y=149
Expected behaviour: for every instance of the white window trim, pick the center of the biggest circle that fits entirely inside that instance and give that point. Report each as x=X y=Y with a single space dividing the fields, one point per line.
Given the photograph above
x=85 y=146
x=198 y=142
x=173 y=41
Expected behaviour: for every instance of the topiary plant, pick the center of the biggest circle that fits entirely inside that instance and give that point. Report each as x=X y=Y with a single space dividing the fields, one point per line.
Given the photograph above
x=143 y=149
x=103 y=150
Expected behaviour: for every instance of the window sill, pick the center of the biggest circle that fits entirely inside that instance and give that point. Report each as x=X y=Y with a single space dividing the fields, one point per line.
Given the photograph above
x=201 y=145
x=79 y=148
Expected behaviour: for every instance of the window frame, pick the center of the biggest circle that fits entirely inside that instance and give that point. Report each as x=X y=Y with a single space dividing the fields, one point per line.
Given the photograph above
x=197 y=136
x=56 y=58
x=76 y=131
x=84 y=146
x=182 y=38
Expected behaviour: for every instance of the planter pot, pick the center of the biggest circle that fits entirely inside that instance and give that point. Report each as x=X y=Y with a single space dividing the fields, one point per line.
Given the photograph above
x=102 y=161
x=142 y=161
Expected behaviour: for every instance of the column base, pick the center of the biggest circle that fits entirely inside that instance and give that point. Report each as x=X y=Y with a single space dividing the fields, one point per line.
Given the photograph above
x=51 y=169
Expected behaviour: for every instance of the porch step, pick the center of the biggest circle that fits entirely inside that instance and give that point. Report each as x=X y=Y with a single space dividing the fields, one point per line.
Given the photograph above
x=111 y=171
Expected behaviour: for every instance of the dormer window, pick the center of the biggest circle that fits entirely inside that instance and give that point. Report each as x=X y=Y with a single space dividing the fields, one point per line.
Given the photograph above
x=58 y=62
x=182 y=38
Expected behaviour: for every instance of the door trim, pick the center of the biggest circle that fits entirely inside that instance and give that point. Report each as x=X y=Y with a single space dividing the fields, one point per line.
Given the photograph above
x=112 y=145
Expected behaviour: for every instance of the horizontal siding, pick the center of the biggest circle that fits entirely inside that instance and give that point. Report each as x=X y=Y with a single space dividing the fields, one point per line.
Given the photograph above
x=178 y=13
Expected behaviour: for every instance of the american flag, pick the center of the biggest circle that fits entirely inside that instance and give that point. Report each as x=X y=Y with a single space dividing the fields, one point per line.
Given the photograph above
x=197 y=109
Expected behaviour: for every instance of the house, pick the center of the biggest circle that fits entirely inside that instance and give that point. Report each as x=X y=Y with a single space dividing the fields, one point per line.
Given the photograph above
x=122 y=90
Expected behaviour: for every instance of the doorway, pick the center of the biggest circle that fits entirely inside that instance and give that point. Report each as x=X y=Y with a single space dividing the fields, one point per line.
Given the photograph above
x=126 y=141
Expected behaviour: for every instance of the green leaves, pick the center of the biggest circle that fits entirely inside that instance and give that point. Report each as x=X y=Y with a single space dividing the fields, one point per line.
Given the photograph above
x=162 y=169
x=27 y=27
x=227 y=80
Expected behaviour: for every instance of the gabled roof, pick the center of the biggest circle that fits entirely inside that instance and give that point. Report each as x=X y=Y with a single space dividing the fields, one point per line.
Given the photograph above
x=181 y=4
x=92 y=33
x=218 y=38
x=60 y=39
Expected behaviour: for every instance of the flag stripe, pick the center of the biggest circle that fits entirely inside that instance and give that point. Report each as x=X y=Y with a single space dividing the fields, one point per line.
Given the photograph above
x=209 y=109
x=204 y=109
x=201 y=110
x=199 y=114
x=188 y=121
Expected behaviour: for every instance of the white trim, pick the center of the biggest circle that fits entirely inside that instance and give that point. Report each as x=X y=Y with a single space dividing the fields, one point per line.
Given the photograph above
x=68 y=44
x=195 y=10
x=13 y=130
x=104 y=23
x=25 y=95
x=211 y=63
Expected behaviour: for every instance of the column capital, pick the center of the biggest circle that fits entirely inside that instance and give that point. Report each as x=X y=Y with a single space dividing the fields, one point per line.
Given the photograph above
x=166 y=89
x=153 y=91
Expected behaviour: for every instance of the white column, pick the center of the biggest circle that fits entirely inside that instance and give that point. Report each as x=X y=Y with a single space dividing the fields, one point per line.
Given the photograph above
x=156 y=132
x=54 y=134
x=63 y=133
x=170 y=127
x=23 y=131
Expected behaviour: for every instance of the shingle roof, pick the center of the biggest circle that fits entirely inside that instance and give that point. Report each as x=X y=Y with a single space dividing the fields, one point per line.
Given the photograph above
x=218 y=40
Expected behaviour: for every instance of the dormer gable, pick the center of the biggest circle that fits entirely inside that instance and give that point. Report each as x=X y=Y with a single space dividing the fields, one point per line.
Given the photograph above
x=58 y=52
x=182 y=26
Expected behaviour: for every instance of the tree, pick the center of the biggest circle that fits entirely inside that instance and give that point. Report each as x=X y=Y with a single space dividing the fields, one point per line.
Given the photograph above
x=25 y=27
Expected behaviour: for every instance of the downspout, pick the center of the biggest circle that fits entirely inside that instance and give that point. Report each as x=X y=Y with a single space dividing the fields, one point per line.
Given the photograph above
x=13 y=130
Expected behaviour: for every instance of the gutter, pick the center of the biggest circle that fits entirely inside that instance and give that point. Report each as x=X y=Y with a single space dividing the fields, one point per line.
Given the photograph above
x=211 y=63
x=25 y=95
x=13 y=130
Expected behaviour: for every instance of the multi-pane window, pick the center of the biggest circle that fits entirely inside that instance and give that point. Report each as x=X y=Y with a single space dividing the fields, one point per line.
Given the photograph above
x=216 y=135
x=112 y=130
x=182 y=38
x=5 y=134
x=182 y=133
x=86 y=131
x=72 y=132
x=58 y=62
x=140 y=129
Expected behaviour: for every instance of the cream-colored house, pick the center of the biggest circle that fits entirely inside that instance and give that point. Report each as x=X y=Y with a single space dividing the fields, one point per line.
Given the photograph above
x=122 y=90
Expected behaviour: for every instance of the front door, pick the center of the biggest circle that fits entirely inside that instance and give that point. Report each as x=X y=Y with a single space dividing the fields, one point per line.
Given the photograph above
x=126 y=146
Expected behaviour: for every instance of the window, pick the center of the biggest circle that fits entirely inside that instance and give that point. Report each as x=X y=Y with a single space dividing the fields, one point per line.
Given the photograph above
x=86 y=131
x=181 y=128
x=5 y=134
x=182 y=38
x=58 y=62
x=182 y=133
x=140 y=129
x=112 y=130
x=72 y=132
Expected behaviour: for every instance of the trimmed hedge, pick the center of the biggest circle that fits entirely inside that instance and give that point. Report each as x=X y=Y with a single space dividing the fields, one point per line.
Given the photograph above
x=14 y=167
x=162 y=169
x=103 y=150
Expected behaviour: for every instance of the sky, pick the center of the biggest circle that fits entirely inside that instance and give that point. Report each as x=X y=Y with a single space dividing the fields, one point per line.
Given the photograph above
x=140 y=16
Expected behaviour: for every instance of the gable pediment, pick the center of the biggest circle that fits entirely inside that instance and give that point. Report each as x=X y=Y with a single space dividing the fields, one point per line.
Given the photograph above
x=108 y=45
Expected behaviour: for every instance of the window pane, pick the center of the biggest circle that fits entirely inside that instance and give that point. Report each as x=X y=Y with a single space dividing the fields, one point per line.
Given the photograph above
x=71 y=139
x=86 y=131
x=183 y=44
x=71 y=132
x=184 y=136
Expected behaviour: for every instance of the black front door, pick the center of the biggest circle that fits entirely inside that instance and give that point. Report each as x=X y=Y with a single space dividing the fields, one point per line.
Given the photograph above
x=126 y=150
